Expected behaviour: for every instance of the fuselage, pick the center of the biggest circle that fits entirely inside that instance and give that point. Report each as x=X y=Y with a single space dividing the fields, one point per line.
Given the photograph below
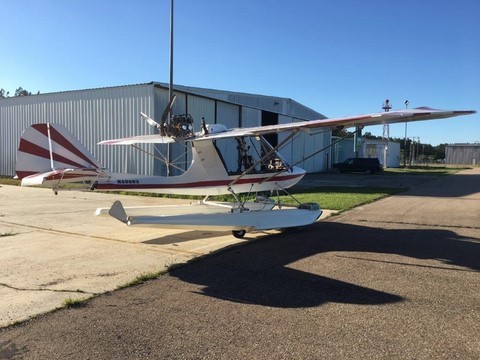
x=206 y=175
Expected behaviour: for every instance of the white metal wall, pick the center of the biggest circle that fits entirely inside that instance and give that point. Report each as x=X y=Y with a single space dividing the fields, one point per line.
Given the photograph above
x=91 y=115
x=463 y=154
x=251 y=117
x=303 y=145
x=98 y=114
x=387 y=153
x=228 y=115
x=198 y=107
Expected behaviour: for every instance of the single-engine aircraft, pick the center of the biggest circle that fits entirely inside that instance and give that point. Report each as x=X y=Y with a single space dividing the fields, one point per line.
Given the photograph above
x=49 y=154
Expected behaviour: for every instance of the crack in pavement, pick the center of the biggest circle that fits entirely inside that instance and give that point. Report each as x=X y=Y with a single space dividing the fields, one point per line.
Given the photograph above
x=61 y=232
x=78 y=291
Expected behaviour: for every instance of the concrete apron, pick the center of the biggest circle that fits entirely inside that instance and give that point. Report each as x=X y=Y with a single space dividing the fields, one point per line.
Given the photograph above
x=53 y=248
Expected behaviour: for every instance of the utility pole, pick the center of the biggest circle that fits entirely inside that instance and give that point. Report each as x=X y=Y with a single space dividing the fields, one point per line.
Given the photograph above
x=405 y=141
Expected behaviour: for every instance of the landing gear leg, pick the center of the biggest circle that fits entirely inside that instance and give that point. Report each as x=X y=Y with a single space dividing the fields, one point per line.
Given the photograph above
x=239 y=234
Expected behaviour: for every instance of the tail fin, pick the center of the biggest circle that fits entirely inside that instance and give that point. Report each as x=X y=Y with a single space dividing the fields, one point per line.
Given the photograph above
x=49 y=153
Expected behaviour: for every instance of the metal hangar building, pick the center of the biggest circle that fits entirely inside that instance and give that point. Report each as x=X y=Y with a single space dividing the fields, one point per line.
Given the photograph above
x=93 y=115
x=462 y=154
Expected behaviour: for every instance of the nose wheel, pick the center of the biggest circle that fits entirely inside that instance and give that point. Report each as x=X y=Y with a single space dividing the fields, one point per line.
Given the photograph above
x=239 y=233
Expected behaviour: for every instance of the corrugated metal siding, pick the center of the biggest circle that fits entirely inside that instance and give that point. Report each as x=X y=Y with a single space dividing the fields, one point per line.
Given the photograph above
x=319 y=161
x=228 y=115
x=468 y=154
x=342 y=150
x=200 y=107
x=327 y=140
x=303 y=145
x=280 y=105
x=298 y=149
x=285 y=151
x=251 y=117
x=91 y=115
x=97 y=114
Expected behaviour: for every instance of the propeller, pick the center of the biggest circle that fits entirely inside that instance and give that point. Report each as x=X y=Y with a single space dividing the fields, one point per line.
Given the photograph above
x=168 y=109
x=152 y=122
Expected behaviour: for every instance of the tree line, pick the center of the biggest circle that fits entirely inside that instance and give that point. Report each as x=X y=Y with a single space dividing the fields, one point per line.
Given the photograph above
x=415 y=149
x=409 y=149
x=18 y=92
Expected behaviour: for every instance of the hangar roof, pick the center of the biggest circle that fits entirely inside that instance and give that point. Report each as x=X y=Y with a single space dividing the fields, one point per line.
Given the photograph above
x=285 y=106
x=474 y=145
x=280 y=105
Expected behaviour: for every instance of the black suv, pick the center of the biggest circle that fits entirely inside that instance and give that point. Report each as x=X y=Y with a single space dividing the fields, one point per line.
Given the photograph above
x=366 y=165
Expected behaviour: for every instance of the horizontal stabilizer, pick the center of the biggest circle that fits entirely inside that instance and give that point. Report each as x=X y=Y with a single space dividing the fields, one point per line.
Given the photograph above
x=118 y=212
x=62 y=175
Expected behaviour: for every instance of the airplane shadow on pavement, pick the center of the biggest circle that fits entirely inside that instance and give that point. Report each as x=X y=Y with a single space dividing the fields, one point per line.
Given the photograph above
x=185 y=236
x=257 y=272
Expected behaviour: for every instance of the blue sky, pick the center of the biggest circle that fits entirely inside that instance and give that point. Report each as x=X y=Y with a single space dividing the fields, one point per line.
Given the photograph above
x=339 y=57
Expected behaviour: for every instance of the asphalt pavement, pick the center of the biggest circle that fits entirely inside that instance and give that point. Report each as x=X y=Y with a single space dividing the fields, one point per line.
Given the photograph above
x=53 y=248
x=399 y=278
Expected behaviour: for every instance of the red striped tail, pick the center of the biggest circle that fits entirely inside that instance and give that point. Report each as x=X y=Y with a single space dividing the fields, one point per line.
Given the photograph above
x=49 y=152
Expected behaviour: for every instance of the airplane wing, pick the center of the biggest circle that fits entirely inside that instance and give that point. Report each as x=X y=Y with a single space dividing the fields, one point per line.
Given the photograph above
x=141 y=139
x=407 y=115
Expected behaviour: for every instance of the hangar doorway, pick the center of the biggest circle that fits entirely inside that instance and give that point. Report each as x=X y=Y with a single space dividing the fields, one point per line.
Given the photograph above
x=270 y=118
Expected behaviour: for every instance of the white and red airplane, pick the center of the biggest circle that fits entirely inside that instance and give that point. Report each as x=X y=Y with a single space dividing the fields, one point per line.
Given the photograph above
x=49 y=154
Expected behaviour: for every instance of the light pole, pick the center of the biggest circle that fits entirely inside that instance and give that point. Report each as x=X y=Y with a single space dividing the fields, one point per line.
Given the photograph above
x=386 y=133
x=170 y=84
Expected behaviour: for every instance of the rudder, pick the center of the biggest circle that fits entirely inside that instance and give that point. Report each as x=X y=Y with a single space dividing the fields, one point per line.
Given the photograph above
x=50 y=152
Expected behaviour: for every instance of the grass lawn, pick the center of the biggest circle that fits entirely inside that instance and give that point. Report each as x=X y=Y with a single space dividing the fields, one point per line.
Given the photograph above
x=424 y=170
x=342 y=198
x=332 y=198
x=8 y=180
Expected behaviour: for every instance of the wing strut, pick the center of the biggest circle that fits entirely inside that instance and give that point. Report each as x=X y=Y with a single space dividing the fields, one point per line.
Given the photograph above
x=162 y=159
x=264 y=157
x=306 y=158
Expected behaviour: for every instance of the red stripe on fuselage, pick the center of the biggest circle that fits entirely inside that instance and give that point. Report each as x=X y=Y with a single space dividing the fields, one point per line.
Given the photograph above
x=197 y=184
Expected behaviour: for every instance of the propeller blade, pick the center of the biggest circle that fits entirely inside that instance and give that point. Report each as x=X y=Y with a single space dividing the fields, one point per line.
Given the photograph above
x=168 y=109
x=149 y=120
